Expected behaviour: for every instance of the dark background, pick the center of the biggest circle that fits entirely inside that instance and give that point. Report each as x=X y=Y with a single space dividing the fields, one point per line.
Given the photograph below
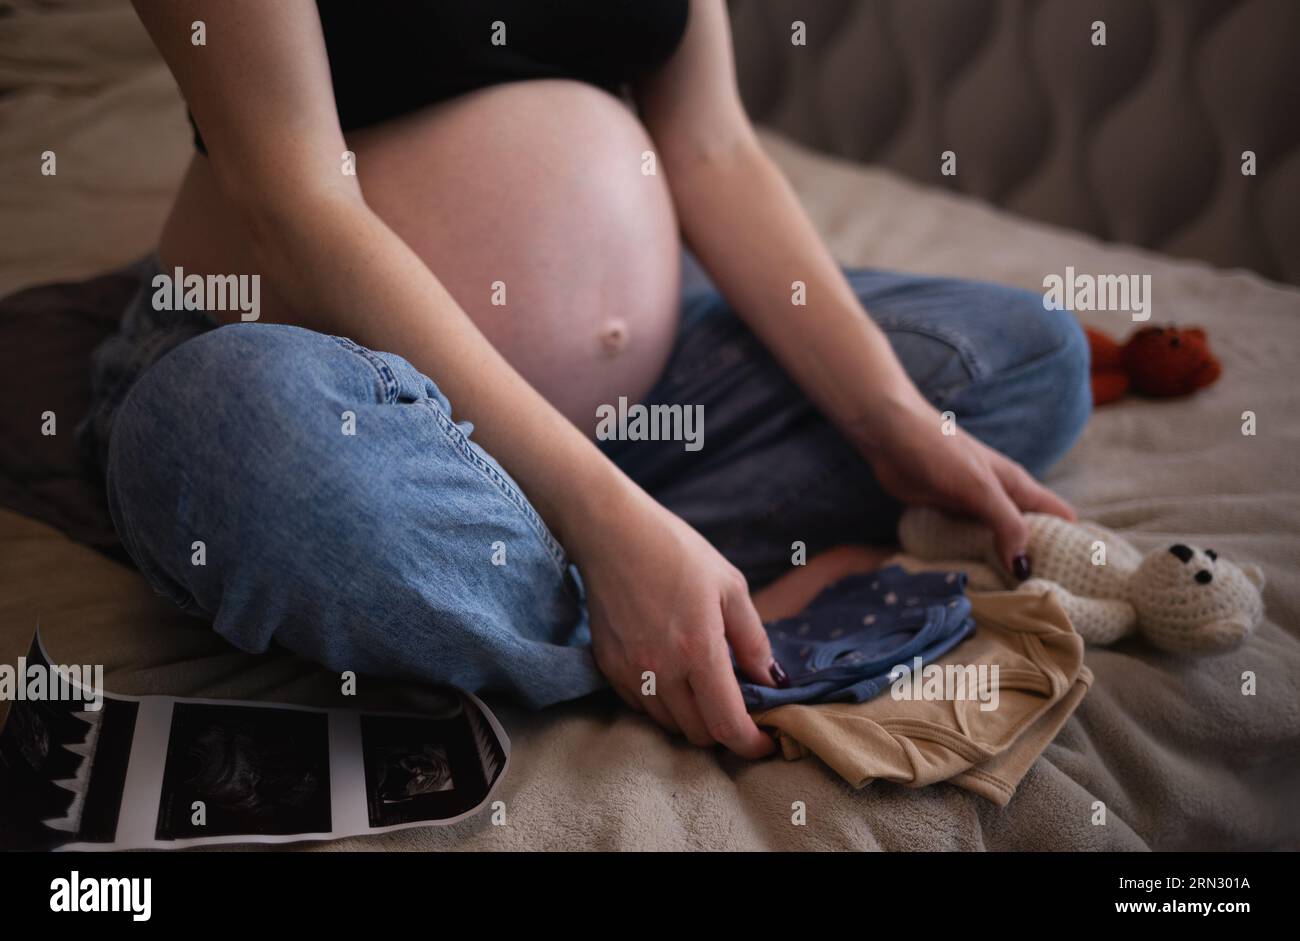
x=1138 y=141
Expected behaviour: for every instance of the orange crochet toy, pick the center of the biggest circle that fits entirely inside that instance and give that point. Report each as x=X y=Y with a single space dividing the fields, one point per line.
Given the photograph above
x=1156 y=361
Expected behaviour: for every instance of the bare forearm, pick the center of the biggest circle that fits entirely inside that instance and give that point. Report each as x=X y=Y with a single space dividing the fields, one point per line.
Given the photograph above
x=744 y=222
x=348 y=273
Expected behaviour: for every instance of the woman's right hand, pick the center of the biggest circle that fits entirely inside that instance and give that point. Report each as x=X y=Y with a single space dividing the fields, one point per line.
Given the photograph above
x=664 y=602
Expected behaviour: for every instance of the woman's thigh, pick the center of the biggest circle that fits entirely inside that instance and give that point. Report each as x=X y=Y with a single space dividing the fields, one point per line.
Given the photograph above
x=773 y=476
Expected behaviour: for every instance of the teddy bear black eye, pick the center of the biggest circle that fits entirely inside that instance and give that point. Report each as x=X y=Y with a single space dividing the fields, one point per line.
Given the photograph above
x=1204 y=577
x=1175 y=341
x=1212 y=554
x=1184 y=554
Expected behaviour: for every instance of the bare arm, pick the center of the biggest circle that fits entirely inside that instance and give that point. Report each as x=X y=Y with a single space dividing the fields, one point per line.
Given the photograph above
x=661 y=598
x=744 y=222
x=261 y=95
x=742 y=219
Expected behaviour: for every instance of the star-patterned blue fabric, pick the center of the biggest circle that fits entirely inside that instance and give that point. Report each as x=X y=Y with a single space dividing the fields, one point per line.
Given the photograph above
x=842 y=647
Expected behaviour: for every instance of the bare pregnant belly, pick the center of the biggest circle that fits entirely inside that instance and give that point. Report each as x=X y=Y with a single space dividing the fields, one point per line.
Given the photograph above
x=528 y=201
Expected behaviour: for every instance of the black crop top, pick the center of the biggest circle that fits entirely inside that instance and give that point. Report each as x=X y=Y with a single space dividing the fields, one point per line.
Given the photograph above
x=390 y=57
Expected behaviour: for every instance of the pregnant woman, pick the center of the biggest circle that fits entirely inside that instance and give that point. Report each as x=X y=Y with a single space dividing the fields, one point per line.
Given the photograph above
x=396 y=468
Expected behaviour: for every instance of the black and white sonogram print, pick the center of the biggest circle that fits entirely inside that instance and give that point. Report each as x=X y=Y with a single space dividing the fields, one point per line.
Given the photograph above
x=255 y=771
x=421 y=769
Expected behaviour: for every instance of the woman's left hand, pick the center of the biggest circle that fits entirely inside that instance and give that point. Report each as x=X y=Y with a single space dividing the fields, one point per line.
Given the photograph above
x=918 y=458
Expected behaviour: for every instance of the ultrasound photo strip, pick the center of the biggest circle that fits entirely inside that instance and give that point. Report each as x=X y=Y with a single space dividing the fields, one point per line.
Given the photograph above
x=165 y=772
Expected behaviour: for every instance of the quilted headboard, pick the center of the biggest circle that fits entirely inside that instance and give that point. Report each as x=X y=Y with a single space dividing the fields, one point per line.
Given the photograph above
x=1139 y=140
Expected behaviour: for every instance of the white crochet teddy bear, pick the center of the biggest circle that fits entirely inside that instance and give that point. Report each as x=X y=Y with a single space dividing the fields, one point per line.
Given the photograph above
x=1179 y=598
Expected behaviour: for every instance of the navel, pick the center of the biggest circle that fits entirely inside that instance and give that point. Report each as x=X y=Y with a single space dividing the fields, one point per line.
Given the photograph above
x=614 y=336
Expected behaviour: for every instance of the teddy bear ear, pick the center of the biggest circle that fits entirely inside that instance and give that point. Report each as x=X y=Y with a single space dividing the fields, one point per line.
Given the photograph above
x=1254 y=573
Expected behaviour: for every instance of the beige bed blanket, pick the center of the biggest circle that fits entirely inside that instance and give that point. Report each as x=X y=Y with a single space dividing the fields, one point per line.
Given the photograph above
x=1175 y=751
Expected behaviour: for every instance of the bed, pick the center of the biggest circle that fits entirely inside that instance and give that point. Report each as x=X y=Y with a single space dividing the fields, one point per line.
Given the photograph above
x=1179 y=756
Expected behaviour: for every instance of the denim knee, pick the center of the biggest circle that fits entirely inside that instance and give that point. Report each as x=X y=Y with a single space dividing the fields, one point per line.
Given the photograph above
x=1030 y=395
x=1054 y=346
x=340 y=516
x=198 y=450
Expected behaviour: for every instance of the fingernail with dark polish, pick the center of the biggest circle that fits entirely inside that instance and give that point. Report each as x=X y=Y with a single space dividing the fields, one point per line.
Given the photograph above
x=779 y=676
x=1020 y=567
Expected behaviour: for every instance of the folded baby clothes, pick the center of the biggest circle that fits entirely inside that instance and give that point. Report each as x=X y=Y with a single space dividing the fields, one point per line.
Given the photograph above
x=841 y=647
x=955 y=718
x=997 y=778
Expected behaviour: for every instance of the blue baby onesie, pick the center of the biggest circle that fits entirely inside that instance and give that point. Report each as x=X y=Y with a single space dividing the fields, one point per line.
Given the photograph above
x=842 y=647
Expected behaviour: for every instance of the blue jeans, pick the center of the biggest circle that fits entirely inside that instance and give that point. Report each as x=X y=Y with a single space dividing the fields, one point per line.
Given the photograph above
x=404 y=549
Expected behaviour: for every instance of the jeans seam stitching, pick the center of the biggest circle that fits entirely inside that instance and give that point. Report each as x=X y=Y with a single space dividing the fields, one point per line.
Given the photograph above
x=458 y=439
x=1028 y=364
x=969 y=357
x=517 y=499
x=1016 y=371
x=382 y=370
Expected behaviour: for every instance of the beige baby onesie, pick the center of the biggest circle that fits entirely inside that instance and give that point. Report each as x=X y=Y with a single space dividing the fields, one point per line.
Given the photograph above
x=1040 y=680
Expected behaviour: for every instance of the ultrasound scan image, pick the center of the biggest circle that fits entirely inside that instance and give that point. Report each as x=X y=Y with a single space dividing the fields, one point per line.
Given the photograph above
x=255 y=771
